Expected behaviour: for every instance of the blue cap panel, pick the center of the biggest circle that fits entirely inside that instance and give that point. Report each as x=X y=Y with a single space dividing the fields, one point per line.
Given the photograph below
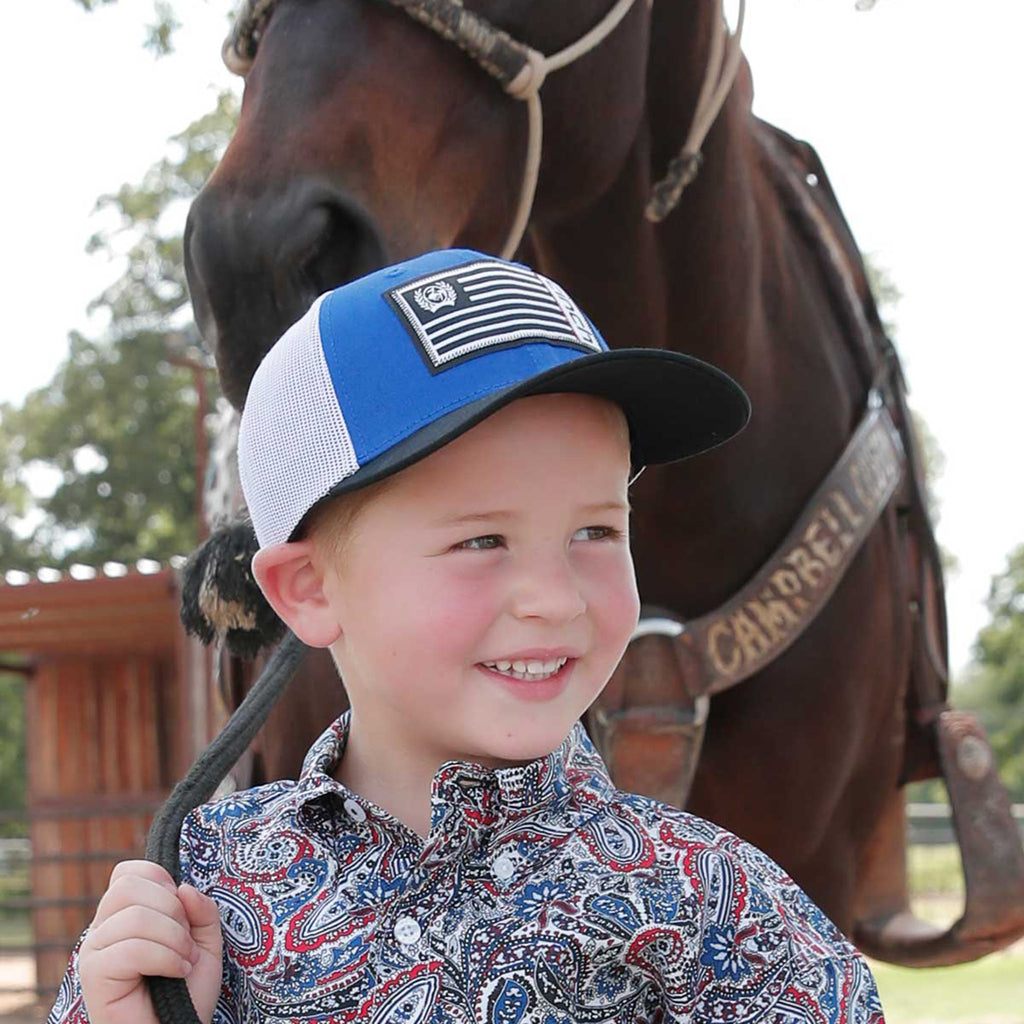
x=395 y=370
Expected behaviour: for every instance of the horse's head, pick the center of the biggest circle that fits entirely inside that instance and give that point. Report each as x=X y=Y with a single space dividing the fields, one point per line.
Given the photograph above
x=365 y=138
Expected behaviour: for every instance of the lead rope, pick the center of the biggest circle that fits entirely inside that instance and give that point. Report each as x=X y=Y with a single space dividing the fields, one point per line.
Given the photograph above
x=170 y=996
x=719 y=76
x=526 y=86
x=521 y=70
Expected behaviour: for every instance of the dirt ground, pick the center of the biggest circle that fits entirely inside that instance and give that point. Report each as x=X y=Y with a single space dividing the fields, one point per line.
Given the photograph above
x=19 y=1007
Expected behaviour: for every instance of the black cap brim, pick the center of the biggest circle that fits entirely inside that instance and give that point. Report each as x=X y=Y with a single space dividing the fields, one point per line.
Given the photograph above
x=676 y=406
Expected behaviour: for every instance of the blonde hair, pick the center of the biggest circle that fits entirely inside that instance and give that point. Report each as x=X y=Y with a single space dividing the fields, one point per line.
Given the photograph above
x=330 y=523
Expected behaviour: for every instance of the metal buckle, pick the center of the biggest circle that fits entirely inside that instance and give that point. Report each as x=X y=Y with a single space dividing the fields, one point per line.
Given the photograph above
x=657 y=626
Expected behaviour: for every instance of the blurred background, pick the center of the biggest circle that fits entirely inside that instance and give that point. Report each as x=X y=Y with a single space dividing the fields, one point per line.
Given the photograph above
x=116 y=112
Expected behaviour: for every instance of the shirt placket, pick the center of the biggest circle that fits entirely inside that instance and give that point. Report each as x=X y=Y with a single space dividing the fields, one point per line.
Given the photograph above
x=403 y=941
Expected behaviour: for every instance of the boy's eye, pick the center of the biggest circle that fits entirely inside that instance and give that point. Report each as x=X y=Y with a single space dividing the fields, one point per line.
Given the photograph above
x=488 y=542
x=493 y=541
x=597 y=533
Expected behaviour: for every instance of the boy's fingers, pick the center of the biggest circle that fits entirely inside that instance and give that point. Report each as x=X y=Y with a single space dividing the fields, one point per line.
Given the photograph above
x=203 y=917
x=128 y=959
x=140 y=922
x=142 y=869
x=133 y=890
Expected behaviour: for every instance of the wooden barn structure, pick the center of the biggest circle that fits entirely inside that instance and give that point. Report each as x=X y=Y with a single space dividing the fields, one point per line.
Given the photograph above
x=118 y=703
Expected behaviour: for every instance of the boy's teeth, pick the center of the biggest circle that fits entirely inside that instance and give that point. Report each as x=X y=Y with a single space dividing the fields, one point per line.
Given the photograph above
x=531 y=670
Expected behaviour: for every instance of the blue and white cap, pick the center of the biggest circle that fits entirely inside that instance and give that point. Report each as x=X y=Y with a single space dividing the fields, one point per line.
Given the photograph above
x=384 y=370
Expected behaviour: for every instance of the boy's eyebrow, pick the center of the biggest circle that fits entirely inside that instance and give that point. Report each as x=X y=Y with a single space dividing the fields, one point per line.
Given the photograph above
x=498 y=514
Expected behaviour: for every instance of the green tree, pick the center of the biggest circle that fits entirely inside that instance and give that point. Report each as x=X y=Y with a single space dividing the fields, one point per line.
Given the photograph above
x=887 y=294
x=995 y=687
x=159 y=38
x=887 y=297
x=12 y=751
x=116 y=426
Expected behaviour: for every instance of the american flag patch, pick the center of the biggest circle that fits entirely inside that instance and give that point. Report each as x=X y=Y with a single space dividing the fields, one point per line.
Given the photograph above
x=461 y=313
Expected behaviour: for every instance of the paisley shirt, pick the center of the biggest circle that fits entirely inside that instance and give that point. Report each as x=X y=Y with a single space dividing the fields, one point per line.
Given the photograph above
x=541 y=895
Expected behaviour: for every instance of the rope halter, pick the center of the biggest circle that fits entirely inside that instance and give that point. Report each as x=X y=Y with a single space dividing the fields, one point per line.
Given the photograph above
x=521 y=71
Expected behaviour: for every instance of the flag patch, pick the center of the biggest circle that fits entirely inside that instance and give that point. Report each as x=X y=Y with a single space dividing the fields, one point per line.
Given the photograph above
x=461 y=313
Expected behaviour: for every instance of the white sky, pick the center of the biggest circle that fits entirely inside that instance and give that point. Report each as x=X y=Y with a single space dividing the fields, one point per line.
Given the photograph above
x=912 y=106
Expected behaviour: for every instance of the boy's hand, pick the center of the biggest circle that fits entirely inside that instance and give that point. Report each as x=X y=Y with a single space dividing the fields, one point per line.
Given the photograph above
x=145 y=925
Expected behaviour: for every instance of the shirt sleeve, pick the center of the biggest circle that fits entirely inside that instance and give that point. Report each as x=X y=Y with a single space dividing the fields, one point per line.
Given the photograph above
x=69 y=1006
x=746 y=943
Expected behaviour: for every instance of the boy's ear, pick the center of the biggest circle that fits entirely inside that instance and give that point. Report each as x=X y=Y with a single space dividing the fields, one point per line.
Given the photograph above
x=293 y=584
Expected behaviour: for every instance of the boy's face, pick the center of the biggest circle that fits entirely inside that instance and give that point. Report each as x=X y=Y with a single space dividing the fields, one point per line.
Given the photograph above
x=504 y=549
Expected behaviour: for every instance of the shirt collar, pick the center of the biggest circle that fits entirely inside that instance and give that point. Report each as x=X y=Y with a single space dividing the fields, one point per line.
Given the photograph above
x=467 y=794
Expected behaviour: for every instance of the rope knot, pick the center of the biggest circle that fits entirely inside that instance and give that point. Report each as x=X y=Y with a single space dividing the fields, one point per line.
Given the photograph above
x=666 y=193
x=530 y=77
x=239 y=49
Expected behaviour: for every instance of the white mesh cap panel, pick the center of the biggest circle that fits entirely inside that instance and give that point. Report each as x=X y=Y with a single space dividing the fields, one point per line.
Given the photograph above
x=293 y=444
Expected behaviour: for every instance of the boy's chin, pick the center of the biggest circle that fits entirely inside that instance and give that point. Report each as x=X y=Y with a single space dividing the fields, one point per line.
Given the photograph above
x=506 y=751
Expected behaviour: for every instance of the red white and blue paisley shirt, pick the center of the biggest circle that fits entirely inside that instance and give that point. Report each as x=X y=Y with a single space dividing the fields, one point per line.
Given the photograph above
x=541 y=895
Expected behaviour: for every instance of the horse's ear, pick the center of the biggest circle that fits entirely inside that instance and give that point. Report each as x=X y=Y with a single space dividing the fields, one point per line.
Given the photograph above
x=220 y=597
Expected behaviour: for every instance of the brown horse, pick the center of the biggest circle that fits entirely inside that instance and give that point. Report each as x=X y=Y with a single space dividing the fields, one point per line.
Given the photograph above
x=364 y=138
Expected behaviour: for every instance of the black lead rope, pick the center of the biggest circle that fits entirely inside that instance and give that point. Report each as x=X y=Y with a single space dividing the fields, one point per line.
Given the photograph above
x=170 y=995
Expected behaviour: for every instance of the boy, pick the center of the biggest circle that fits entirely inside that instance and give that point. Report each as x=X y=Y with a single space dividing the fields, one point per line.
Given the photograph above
x=436 y=460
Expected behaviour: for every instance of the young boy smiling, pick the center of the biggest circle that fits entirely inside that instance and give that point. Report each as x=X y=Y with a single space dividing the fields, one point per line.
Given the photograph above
x=436 y=460
x=462 y=645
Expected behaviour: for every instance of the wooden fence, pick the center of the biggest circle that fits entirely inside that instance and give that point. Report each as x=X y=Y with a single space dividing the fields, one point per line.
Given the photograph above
x=118 y=703
x=932 y=824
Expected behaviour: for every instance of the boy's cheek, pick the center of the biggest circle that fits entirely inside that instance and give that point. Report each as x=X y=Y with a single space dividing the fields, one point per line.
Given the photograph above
x=619 y=583
x=448 y=619
x=622 y=610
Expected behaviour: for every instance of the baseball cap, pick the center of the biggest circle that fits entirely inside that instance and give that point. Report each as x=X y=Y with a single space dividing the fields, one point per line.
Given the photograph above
x=386 y=369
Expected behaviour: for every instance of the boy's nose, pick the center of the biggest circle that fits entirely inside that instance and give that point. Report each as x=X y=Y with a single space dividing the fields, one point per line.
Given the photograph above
x=548 y=589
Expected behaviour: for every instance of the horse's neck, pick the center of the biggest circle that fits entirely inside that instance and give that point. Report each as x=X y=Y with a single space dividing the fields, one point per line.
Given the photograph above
x=723 y=278
x=661 y=285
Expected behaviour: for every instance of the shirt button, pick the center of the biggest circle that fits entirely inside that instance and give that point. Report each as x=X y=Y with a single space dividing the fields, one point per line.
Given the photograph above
x=354 y=810
x=503 y=867
x=407 y=931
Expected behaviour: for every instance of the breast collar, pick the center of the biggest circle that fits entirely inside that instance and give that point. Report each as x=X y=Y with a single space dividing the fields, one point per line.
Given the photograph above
x=469 y=797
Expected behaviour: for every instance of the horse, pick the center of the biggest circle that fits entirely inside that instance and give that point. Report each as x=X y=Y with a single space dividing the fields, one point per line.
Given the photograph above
x=364 y=137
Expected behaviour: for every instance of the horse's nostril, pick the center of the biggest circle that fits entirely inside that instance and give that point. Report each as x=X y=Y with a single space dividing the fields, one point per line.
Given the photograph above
x=327 y=261
x=304 y=240
x=341 y=247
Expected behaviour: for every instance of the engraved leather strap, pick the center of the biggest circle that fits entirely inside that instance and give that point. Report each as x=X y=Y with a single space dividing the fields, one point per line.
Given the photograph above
x=730 y=644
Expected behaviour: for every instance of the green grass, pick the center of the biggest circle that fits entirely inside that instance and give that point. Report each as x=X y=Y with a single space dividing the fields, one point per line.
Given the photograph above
x=15 y=929
x=989 y=991
x=935 y=870
x=15 y=925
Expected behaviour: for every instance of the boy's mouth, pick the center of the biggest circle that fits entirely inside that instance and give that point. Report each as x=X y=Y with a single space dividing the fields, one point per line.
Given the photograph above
x=531 y=671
